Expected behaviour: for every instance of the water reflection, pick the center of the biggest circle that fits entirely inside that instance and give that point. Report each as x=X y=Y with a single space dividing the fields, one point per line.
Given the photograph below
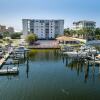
x=49 y=76
x=43 y=55
x=82 y=66
x=27 y=68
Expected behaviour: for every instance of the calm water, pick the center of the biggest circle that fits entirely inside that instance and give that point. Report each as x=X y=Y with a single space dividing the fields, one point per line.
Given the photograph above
x=47 y=76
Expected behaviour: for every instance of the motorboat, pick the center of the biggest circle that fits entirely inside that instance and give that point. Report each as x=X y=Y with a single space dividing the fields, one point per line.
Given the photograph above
x=76 y=54
x=88 y=49
x=21 y=49
x=13 y=70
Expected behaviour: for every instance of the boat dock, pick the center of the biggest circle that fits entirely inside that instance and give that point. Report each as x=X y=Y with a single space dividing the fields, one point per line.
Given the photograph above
x=10 y=70
x=2 y=61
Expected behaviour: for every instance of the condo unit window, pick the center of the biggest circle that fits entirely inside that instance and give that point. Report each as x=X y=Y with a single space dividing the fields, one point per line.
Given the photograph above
x=41 y=21
x=41 y=34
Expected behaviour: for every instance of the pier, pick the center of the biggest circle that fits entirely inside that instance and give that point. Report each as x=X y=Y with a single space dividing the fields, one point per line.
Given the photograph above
x=15 y=54
x=2 y=61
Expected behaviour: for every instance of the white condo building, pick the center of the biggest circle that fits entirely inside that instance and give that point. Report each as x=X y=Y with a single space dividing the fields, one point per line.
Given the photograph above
x=44 y=29
x=84 y=24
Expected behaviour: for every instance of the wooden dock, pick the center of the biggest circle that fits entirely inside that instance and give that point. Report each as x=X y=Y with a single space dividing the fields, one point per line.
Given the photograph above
x=43 y=47
x=2 y=61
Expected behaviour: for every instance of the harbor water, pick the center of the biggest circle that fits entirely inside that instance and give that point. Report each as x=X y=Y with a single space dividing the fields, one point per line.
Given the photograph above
x=46 y=75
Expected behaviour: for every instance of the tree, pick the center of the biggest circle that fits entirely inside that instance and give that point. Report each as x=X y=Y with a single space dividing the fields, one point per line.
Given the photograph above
x=97 y=31
x=31 y=38
x=16 y=35
x=6 y=34
x=72 y=32
x=69 y=32
x=89 y=33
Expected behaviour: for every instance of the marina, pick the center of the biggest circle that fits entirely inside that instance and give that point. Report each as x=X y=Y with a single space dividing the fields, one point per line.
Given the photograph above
x=15 y=54
x=28 y=69
x=41 y=75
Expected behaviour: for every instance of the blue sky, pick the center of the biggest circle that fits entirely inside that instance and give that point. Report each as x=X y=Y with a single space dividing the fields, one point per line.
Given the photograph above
x=12 y=11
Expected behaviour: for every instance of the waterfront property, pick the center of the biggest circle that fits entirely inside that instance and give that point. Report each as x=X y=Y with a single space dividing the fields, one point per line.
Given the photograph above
x=67 y=40
x=49 y=76
x=45 y=44
x=44 y=29
x=84 y=24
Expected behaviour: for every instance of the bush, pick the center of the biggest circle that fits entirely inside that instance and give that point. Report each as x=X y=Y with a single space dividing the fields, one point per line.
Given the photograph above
x=1 y=41
x=15 y=35
x=98 y=37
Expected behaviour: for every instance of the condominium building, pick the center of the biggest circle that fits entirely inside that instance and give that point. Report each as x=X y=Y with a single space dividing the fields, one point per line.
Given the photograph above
x=44 y=29
x=2 y=28
x=5 y=29
x=84 y=24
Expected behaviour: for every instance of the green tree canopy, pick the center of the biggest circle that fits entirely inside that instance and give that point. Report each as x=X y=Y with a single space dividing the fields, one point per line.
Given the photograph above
x=69 y=32
x=30 y=38
x=16 y=35
x=6 y=34
x=97 y=31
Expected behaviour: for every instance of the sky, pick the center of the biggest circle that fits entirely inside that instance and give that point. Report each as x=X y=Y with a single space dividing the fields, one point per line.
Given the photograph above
x=13 y=11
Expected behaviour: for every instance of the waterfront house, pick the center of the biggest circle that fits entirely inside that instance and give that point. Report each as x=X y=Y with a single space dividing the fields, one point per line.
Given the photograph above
x=67 y=40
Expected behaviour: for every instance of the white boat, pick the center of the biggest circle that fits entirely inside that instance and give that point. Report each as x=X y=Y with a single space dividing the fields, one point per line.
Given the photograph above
x=21 y=49
x=76 y=54
x=88 y=49
x=13 y=70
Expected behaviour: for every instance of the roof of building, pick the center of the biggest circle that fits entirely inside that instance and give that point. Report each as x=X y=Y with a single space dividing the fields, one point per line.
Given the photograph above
x=86 y=21
x=65 y=38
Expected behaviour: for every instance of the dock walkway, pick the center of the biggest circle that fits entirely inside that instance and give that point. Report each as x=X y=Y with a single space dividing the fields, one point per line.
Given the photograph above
x=4 y=59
